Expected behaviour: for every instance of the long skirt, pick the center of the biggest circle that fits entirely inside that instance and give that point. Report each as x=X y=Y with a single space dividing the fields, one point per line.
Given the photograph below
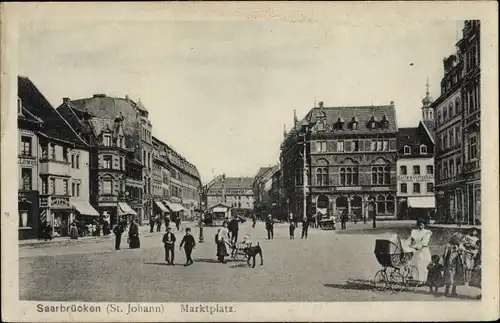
x=134 y=242
x=221 y=249
x=421 y=260
x=73 y=233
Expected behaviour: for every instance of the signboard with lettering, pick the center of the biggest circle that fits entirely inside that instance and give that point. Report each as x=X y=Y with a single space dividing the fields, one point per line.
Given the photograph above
x=60 y=203
x=415 y=178
x=23 y=161
x=44 y=202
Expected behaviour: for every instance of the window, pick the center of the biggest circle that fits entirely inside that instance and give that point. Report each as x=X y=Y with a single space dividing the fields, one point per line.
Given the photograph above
x=19 y=106
x=299 y=177
x=473 y=147
x=452 y=167
x=354 y=125
x=459 y=165
x=373 y=145
x=403 y=188
x=72 y=161
x=445 y=169
x=445 y=115
x=25 y=146
x=380 y=175
x=321 y=146
x=430 y=169
x=407 y=150
x=423 y=149
x=458 y=135
x=439 y=117
x=53 y=186
x=416 y=170
x=390 y=204
x=450 y=110
x=446 y=143
x=349 y=176
x=120 y=142
x=73 y=189
x=380 y=146
x=106 y=140
x=78 y=161
x=45 y=151
x=122 y=163
x=416 y=187
x=107 y=186
x=340 y=146
x=65 y=154
x=458 y=108
x=107 y=162
x=385 y=145
x=430 y=187
x=66 y=186
x=380 y=204
x=402 y=170
x=144 y=161
x=45 y=185
x=26 y=179
x=53 y=152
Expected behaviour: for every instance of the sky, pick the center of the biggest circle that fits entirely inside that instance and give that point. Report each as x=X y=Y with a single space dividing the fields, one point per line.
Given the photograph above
x=220 y=91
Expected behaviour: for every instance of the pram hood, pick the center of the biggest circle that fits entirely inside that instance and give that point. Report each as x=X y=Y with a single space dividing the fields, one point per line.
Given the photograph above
x=392 y=244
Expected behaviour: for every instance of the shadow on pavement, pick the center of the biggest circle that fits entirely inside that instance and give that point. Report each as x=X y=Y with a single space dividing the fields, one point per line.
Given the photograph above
x=363 y=284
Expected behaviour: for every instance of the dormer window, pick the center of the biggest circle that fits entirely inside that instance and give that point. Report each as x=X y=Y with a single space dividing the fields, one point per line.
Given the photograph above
x=423 y=149
x=372 y=123
x=339 y=125
x=354 y=123
x=384 y=123
x=407 y=150
x=106 y=139
x=320 y=126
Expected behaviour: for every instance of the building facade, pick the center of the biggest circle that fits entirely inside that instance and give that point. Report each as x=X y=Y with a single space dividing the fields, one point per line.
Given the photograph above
x=63 y=164
x=261 y=186
x=350 y=159
x=457 y=116
x=238 y=194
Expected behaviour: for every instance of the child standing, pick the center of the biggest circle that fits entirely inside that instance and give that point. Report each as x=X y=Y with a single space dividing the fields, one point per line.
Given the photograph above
x=189 y=244
x=435 y=275
x=453 y=266
x=292 y=229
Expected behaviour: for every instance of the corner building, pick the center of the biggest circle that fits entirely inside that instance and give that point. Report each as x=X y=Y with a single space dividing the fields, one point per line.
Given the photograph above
x=350 y=159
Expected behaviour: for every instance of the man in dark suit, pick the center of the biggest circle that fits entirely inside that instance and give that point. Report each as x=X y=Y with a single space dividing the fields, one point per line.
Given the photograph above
x=305 y=227
x=118 y=231
x=189 y=244
x=169 y=242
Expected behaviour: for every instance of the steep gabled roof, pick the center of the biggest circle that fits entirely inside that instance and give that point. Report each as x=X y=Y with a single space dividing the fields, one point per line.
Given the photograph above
x=54 y=125
x=430 y=127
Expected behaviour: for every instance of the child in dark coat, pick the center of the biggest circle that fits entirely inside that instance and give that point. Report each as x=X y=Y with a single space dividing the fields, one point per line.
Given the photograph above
x=435 y=274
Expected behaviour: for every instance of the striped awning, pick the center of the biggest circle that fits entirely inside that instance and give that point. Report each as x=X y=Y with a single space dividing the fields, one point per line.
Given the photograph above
x=161 y=206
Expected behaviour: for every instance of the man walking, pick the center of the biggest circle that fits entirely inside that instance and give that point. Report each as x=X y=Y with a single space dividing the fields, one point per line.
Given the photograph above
x=305 y=228
x=234 y=227
x=118 y=231
x=158 y=223
x=343 y=219
x=270 y=227
x=189 y=244
x=169 y=242
x=151 y=224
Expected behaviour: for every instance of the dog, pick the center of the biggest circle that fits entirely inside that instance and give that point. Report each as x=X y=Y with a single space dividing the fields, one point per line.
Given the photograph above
x=253 y=251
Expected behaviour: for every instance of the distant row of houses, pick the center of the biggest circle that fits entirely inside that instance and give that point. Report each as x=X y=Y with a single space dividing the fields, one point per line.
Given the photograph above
x=95 y=157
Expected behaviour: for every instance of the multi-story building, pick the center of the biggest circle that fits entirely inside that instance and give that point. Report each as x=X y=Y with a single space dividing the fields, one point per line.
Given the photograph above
x=137 y=137
x=415 y=166
x=161 y=166
x=238 y=193
x=350 y=159
x=183 y=178
x=469 y=46
x=457 y=177
x=63 y=169
x=261 y=186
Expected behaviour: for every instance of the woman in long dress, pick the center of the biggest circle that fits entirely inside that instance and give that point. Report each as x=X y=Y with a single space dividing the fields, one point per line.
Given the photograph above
x=222 y=239
x=419 y=241
x=133 y=235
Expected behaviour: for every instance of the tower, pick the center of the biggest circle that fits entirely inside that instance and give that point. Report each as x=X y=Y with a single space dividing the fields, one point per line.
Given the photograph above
x=427 y=112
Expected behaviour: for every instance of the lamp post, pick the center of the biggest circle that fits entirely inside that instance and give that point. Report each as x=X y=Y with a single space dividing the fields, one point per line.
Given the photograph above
x=305 y=130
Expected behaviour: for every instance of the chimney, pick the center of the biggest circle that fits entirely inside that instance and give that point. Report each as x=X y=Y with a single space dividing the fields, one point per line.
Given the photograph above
x=66 y=100
x=127 y=97
x=392 y=103
x=320 y=104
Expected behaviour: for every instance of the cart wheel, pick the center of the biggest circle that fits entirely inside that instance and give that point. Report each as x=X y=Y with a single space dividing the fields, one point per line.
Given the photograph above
x=380 y=280
x=395 y=279
x=411 y=278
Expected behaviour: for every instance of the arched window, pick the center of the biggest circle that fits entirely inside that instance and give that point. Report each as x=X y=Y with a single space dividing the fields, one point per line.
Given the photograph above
x=380 y=204
x=381 y=175
x=374 y=176
x=322 y=176
x=458 y=107
x=445 y=115
x=439 y=117
x=342 y=176
x=390 y=204
x=450 y=110
x=407 y=150
x=423 y=149
x=349 y=176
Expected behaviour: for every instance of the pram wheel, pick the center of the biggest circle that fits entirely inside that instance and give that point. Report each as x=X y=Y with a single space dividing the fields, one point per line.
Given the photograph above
x=380 y=280
x=411 y=278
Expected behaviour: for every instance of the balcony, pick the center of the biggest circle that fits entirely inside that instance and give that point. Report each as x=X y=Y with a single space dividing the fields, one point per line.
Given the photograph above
x=54 y=167
x=472 y=166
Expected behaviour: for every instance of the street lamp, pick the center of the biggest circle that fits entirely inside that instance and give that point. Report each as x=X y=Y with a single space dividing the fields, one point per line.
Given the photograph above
x=305 y=130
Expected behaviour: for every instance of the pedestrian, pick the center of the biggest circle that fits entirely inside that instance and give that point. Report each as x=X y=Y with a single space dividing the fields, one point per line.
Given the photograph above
x=470 y=250
x=254 y=220
x=105 y=228
x=97 y=227
x=158 y=223
x=151 y=224
x=270 y=227
x=435 y=274
x=292 y=229
x=189 y=244
x=118 y=231
x=73 y=231
x=167 y=221
x=178 y=222
x=221 y=238
x=233 y=228
x=452 y=263
x=305 y=228
x=343 y=219
x=169 y=243
x=133 y=235
x=371 y=212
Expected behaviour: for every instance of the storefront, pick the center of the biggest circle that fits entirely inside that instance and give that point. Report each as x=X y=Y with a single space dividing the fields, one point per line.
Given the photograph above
x=160 y=209
x=29 y=216
x=61 y=216
x=126 y=212
x=176 y=210
x=84 y=212
x=420 y=206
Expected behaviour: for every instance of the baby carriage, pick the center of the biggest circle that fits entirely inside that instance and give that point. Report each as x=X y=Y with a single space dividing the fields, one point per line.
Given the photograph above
x=397 y=274
x=238 y=250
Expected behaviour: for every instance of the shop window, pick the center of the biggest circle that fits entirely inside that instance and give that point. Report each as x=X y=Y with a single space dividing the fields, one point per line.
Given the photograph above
x=26 y=179
x=25 y=146
x=403 y=188
x=24 y=219
x=402 y=170
x=416 y=187
x=381 y=204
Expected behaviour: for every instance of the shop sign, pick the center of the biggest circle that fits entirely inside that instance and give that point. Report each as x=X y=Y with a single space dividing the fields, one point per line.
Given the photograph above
x=27 y=161
x=60 y=203
x=415 y=178
x=348 y=188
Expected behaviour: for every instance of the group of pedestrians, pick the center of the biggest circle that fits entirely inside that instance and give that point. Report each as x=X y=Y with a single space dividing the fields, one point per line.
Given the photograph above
x=188 y=243
x=158 y=221
x=133 y=234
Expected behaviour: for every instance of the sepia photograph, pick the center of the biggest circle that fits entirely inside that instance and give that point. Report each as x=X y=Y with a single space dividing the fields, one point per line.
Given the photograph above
x=212 y=161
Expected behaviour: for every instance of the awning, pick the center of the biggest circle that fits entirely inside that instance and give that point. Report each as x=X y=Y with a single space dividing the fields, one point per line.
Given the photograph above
x=421 y=202
x=174 y=207
x=84 y=208
x=161 y=206
x=124 y=208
